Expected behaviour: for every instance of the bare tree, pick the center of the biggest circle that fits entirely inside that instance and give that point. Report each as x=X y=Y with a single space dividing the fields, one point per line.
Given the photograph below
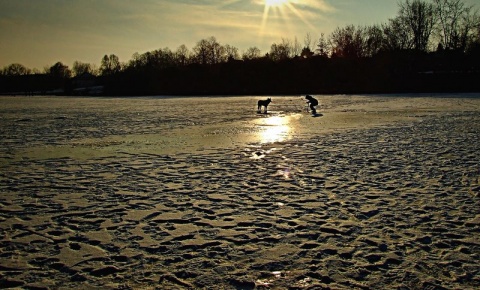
x=231 y=52
x=209 y=51
x=306 y=52
x=456 y=23
x=296 y=48
x=419 y=17
x=15 y=69
x=251 y=53
x=217 y=51
x=182 y=55
x=348 y=41
x=307 y=41
x=323 y=47
x=476 y=36
x=80 y=68
x=307 y=47
x=59 y=70
x=161 y=58
x=110 y=65
x=202 y=51
x=373 y=40
x=280 y=51
x=396 y=35
x=134 y=62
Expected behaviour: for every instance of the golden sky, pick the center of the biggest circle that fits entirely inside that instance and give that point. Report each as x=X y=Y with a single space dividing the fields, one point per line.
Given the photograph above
x=38 y=33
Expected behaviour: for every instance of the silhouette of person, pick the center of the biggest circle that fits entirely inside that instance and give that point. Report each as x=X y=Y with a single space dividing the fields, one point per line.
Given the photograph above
x=313 y=102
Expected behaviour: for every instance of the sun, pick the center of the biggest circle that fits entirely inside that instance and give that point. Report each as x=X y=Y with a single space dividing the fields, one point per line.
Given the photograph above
x=282 y=15
x=270 y=3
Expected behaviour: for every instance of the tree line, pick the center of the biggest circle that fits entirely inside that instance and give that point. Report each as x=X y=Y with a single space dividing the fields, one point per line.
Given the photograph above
x=428 y=46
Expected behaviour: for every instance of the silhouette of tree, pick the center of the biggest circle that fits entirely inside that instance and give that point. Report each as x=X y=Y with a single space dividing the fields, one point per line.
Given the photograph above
x=208 y=51
x=296 y=48
x=231 y=52
x=281 y=51
x=161 y=58
x=202 y=52
x=353 y=59
x=307 y=42
x=474 y=47
x=15 y=69
x=136 y=62
x=419 y=17
x=457 y=23
x=306 y=52
x=59 y=71
x=217 y=54
x=182 y=55
x=110 y=65
x=348 y=42
x=374 y=40
x=396 y=35
x=80 y=68
x=251 y=53
x=323 y=47
x=307 y=48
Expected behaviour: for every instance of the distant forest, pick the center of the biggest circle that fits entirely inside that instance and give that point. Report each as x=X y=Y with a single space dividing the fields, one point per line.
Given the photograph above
x=429 y=46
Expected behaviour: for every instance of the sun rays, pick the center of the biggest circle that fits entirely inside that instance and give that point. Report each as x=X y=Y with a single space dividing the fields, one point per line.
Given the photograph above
x=270 y=3
x=279 y=16
x=268 y=21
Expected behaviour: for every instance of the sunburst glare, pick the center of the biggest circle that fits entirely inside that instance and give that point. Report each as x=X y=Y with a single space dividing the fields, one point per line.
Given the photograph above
x=282 y=11
x=275 y=2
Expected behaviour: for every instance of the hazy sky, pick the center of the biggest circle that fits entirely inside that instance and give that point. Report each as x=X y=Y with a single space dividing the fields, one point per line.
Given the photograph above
x=38 y=33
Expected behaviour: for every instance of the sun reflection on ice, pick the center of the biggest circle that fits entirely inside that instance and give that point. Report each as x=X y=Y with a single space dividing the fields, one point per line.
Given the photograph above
x=274 y=129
